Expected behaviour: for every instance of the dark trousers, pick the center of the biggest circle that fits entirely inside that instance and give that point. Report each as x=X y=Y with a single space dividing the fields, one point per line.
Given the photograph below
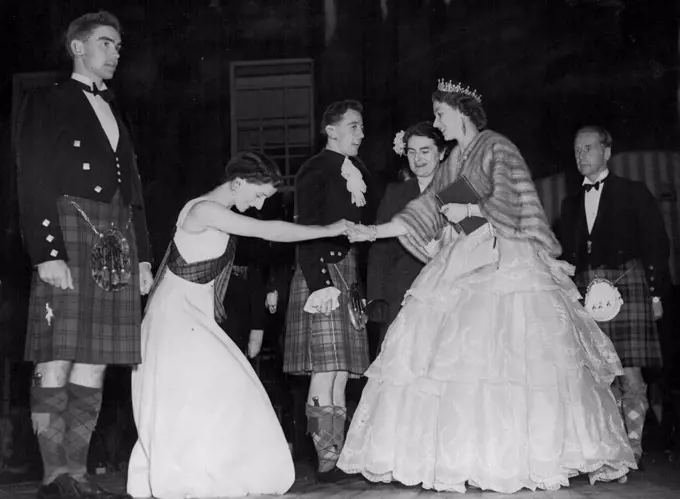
x=237 y=303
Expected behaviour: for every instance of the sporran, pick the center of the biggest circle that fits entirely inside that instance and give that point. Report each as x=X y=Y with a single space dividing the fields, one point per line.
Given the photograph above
x=603 y=300
x=356 y=304
x=110 y=260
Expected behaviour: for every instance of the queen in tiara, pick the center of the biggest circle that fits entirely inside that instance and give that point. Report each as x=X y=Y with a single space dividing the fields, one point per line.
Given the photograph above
x=492 y=375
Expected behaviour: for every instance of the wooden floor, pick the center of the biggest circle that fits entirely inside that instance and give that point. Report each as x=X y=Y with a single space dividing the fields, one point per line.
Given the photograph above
x=660 y=480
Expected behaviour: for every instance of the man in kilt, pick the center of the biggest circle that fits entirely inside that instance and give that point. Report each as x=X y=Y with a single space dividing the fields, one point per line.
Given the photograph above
x=613 y=229
x=320 y=338
x=84 y=228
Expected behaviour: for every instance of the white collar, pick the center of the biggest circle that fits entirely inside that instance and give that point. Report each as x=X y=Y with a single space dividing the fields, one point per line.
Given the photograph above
x=603 y=175
x=85 y=80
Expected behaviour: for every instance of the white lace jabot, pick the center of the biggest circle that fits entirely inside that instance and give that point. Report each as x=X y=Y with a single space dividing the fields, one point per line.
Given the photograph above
x=355 y=182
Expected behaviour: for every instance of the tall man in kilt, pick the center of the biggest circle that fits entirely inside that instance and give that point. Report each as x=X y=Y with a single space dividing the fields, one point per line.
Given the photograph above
x=84 y=227
x=320 y=338
x=613 y=229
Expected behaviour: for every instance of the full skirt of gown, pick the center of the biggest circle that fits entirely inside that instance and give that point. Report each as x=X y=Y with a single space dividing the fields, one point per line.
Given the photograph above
x=492 y=375
x=205 y=423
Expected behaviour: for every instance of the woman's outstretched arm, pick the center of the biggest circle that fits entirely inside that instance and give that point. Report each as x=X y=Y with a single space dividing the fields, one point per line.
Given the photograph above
x=210 y=214
x=359 y=233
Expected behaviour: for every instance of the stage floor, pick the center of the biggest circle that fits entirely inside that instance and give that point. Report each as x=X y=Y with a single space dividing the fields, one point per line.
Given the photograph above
x=660 y=480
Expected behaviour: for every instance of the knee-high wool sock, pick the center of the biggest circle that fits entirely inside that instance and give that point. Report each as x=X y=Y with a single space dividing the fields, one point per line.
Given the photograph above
x=47 y=412
x=320 y=426
x=81 y=418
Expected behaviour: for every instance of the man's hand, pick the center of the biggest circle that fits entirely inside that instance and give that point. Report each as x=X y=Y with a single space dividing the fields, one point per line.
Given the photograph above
x=377 y=310
x=56 y=273
x=272 y=301
x=145 y=278
x=326 y=307
x=657 y=308
x=255 y=342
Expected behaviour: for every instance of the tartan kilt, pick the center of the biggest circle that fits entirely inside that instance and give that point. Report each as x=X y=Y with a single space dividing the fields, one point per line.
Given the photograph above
x=633 y=330
x=321 y=343
x=88 y=325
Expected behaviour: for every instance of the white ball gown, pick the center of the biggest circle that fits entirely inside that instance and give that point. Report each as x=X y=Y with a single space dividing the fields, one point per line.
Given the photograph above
x=205 y=423
x=492 y=375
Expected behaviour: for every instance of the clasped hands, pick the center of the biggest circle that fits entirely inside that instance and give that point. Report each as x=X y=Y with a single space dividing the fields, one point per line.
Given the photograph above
x=356 y=233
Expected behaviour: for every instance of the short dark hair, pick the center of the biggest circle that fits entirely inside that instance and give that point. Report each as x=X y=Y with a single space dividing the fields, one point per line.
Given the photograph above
x=82 y=27
x=426 y=129
x=466 y=104
x=334 y=113
x=254 y=167
x=603 y=134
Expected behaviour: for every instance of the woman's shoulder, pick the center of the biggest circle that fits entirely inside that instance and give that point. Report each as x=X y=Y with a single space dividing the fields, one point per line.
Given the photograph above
x=494 y=139
x=499 y=148
x=188 y=206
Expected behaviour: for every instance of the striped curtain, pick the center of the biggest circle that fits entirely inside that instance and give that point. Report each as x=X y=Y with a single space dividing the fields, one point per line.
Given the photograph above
x=659 y=170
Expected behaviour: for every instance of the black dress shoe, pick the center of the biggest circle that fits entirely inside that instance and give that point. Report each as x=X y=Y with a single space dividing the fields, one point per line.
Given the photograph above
x=87 y=488
x=60 y=488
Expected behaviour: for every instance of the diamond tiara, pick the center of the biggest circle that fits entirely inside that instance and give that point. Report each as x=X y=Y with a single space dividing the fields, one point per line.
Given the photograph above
x=457 y=88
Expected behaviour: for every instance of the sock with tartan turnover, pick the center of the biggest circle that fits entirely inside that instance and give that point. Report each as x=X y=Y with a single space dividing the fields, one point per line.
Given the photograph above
x=47 y=413
x=320 y=426
x=81 y=418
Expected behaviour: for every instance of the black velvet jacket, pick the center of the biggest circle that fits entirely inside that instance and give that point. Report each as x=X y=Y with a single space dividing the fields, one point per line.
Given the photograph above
x=63 y=149
x=322 y=198
x=629 y=225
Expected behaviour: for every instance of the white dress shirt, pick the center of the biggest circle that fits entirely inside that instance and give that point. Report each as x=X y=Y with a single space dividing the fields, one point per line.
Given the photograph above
x=592 y=198
x=105 y=117
x=102 y=110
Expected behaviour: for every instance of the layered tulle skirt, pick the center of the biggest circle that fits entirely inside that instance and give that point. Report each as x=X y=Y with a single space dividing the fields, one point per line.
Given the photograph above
x=492 y=375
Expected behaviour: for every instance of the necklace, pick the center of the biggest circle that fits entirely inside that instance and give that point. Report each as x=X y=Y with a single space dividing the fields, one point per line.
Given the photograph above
x=464 y=152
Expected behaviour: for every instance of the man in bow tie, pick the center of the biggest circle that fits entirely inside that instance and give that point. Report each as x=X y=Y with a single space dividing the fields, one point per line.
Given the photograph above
x=321 y=340
x=77 y=179
x=613 y=229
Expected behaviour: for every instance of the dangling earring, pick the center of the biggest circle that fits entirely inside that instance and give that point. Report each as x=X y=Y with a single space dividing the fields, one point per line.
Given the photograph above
x=464 y=128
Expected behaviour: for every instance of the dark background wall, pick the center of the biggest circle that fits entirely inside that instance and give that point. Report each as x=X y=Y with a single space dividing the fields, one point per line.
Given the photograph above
x=544 y=67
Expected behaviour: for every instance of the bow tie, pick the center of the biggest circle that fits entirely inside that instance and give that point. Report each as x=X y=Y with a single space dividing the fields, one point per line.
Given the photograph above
x=105 y=94
x=595 y=186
